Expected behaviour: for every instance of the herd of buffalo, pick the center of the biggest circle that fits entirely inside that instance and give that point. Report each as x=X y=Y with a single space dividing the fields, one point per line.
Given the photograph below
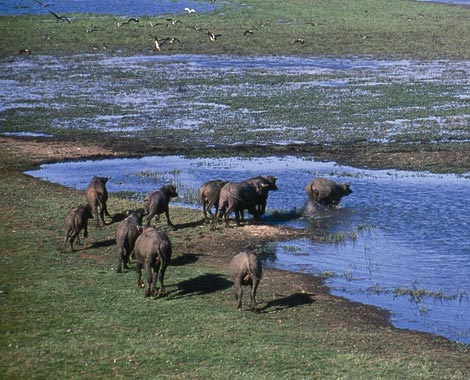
x=152 y=249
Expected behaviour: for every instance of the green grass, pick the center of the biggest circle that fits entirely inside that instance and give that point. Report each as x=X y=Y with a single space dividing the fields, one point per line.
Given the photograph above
x=334 y=27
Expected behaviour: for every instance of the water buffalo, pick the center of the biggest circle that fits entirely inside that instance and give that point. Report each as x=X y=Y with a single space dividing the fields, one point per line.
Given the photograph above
x=96 y=195
x=209 y=197
x=75 y=222
x=237 y=197
x=263 y=185
x=245 y=269
x=156 y=203
x=152 y=251
x=126 y=235
x=326 y=192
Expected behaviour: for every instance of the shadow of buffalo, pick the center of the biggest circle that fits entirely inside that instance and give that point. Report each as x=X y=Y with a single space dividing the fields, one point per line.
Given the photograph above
x=294 y=300
x=187 y=258
x=203 y=284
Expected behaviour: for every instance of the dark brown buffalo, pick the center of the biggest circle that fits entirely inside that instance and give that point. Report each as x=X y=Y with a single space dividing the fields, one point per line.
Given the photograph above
x=263 y=185
x=326 y=192
x=97 y=196
x=75 y=222
x=245 y=269
x=152 y=251
x=156 y=203
x=126 y=235
x=236 y=197
x=209 y=197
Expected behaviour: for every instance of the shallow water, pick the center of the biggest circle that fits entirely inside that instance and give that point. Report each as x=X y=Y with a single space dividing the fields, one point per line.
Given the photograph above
x=400 y=241
x=115 y=7
x=227 y=100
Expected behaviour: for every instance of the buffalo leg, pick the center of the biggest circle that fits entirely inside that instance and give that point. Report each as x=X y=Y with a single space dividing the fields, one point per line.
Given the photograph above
x=227 y=214
x=239 y=294
x=138 y=270
x=167 y=215
x=216 y=217
x=102 y=216
x=254 y=286
x=150 y=279
x=161 y=277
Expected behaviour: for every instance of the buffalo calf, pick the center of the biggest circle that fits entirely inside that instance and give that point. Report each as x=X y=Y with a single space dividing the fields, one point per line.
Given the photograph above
x=75 y=222
x=246 y=269
x=152 y=251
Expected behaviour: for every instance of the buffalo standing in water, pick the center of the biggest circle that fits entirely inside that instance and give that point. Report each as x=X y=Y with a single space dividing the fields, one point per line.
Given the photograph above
x=127 y=233
x=152 y=252
x=96 y=195
x=246 y=269
x=326 y=192
x=75 y=222
x=263 y=185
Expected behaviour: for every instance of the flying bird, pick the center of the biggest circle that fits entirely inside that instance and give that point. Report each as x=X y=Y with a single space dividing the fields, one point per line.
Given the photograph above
x=92 y=30
x=58 y=17
x=250 y=32
x=24 y=52
x=169 y=40
x=213 y=37
x=132 y=19
x=299 y=40
x=42 y=3
x=172 y=22
x=156 y=44
x=152 y=25
x=190 y=10
x=363 y=36
x=197 y=29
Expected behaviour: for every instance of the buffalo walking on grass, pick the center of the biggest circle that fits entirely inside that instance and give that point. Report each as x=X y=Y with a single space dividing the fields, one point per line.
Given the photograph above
x=157 y=203
x=152 y=252
x=96 y=195
x=127 y=233
x=75 y=222
x=246 y=270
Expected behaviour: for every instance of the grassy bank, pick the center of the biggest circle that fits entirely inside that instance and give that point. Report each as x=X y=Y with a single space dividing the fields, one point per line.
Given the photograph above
x=70 y=316
x=336 y=28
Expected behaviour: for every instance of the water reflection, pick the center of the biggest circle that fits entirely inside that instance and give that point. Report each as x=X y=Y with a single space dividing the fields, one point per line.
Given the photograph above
x=400 y=241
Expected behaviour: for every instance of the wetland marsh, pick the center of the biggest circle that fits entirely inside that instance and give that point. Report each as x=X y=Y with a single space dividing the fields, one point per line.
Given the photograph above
x=226 y=101
x=375 y=84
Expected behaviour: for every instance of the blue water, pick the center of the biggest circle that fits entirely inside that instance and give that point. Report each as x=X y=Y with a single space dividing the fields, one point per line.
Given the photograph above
x=454 y=2
x=402 y=232
x=114 y=7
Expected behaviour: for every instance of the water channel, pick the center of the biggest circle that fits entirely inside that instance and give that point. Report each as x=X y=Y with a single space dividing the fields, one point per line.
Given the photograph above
x=400 y=241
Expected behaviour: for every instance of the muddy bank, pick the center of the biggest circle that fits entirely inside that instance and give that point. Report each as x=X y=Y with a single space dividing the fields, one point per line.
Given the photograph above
x=436 y=158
